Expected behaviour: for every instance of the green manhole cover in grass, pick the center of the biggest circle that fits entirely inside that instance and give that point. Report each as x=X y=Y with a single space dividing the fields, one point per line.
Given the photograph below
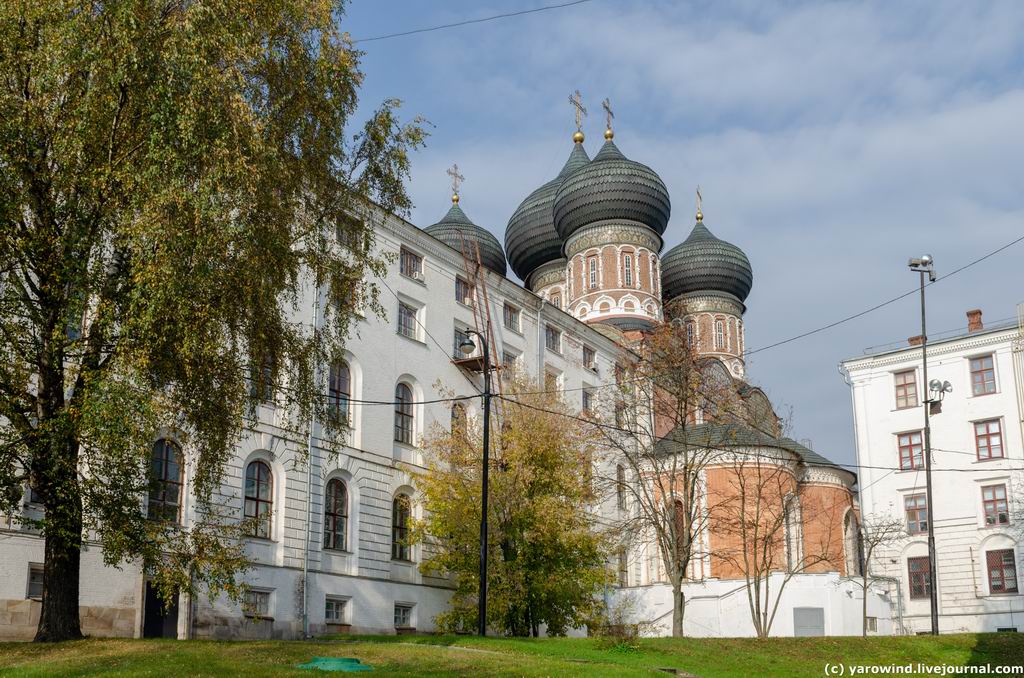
x=350 y=664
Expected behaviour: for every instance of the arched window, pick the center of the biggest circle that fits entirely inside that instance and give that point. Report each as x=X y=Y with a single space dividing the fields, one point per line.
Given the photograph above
x=401 y=516
x=403 y=414
x=339 y=391
x=627 y=270
x=854 y=545
x=556 y=300
x=592 y=264
x=166 y=479
x=335 y=515
x=459 y=419
x=691 y=333
x=719 y=334
x=259 y=498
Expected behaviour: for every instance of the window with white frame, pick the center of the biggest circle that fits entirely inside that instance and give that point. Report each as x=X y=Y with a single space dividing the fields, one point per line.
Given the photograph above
x=407 y=320
x=719 y=334
x=592 y=271
x=911 y=450
x=627 y=270
x=334 y=610
x=410 y=264
x=403 y=616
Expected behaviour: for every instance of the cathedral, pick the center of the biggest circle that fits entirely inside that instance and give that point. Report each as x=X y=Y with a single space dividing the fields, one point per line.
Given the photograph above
x=328 y=556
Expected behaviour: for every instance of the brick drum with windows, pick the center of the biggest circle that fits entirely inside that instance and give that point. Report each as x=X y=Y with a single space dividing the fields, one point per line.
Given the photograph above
x=976 y=455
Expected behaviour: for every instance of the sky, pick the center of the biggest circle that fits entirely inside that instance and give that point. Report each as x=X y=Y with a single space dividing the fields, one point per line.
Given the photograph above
x=831 y=142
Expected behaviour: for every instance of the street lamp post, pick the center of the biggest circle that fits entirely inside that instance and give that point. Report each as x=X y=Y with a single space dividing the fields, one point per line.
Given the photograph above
x=467 y=347
x=923 y=266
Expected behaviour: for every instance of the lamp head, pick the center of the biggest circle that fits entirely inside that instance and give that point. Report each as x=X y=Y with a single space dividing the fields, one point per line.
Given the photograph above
x=467 y=346
x=935 y=385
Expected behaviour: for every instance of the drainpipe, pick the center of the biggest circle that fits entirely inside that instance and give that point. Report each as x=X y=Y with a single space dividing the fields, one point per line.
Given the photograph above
x=309 y=484
x=540 y=340
x=899 y=600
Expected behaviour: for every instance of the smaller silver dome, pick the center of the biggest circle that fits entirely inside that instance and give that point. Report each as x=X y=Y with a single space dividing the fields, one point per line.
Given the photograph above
x=703 y=263
x=458 y=232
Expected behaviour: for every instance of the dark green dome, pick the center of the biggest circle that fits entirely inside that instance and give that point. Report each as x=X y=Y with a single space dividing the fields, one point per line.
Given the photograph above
x=457 y=231
x=611 y=187
x=703 y=263
x=530 y=237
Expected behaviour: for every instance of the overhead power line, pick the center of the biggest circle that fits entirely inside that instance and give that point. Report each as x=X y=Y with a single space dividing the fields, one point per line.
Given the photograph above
x=885 y=303
x=506 y=15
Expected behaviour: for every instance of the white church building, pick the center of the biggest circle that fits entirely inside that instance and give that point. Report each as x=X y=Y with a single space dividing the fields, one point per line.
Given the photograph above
x=588 y=246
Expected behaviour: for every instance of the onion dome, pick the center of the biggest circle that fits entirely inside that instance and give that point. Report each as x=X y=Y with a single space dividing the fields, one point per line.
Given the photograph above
x=458 y=232
x=530 y=237
x=703 y=263
x=611 y=187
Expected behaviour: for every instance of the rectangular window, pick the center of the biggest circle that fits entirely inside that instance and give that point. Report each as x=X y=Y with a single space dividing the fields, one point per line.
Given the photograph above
x=623 y=569
x=406 y=320
x=511 y=315
x=257 y=603
x=1002 y=571
x=872 y=623
x=508 y=361
x=592 y=264
x=551 y=380
x=627 y=270
x=461 y=336
x=552 y=339
x=334 y=610
x=35 y=581
x=911 y=451
x=463 y=291
x=588 y=399
x=906 y=389
x=410 y=264
x=983 y=375
x=589 y=357
x=403 y=616
x=988 y=439
x=916 y=506
x=920 y=577
x=993 y=499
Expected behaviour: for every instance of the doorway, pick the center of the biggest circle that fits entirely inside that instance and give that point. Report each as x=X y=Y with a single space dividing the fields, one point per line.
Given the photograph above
x=159 y=621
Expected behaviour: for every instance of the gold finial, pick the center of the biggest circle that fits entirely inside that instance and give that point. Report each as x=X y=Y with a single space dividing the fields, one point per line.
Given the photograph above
x=608 y=115
x=576 y=99
x=457 y=179
x=700 y=215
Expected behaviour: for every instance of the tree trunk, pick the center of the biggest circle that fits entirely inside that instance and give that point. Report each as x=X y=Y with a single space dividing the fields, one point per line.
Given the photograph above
x=59 y=618
x=678 y=609
x=864 y=588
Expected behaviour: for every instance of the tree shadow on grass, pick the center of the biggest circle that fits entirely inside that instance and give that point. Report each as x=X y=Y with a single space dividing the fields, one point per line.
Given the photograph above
x=997 y=649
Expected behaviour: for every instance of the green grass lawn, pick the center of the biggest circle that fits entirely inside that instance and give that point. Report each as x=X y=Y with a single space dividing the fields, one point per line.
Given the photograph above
x=470 y=656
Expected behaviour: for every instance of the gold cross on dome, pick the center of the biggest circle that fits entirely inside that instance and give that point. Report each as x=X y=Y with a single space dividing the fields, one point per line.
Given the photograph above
x=608 y=114
x=457 y=178
x=576 y=99
x=700 y=214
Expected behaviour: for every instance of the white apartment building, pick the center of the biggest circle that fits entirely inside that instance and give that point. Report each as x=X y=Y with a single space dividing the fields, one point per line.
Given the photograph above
x=978 y=469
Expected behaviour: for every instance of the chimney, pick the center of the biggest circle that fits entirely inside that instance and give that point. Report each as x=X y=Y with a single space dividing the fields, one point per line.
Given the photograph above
x=916 y=340
x=974 y=323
